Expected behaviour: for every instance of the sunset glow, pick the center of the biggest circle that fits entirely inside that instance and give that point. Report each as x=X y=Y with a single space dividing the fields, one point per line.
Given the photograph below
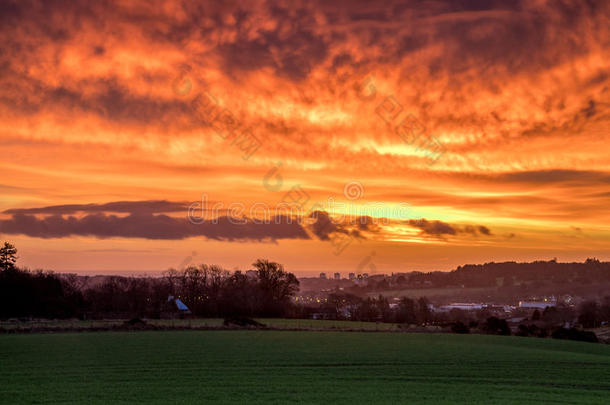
x=425 y=134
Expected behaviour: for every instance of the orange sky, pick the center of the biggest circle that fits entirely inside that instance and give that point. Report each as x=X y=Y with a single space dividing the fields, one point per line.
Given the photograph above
x=450 y=132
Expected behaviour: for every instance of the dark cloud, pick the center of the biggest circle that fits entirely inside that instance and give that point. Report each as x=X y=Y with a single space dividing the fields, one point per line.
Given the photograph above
x=585 y=177
x=145 y=219
x=134 y=207
x=367 y=223
x=436 y=228
x=112 y=101
x=149 y=226
x=590 y=110
x=295 y=56
x=10 y=188
x=484 y=230
x=440 y=228
x=478 y=36
x=324 y=225
x=9 y=12
x=475 y=37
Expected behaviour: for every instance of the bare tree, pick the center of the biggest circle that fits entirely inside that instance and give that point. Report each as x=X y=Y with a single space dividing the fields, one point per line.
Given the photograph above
x=276 y=284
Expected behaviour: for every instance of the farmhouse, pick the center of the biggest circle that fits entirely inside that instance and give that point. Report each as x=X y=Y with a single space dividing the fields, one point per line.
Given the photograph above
x=175 y=308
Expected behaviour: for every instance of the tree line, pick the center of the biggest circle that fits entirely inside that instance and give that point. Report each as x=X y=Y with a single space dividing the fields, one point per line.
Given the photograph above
x=513 y=273
x=267 y=290
x=375 y=309
x=207 y=290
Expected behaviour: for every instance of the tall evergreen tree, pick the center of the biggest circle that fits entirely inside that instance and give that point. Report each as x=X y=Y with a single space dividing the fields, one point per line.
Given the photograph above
x=8 y=257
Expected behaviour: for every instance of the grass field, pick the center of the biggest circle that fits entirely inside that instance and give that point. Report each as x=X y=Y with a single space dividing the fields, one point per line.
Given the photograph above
x=275 y=323
x=284 y=366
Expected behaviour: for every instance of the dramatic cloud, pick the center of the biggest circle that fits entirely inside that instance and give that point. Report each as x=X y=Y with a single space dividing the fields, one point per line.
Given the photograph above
x=141 y=222
x=440 y=228
x=433 y=227
x=139 y=207
x=150 y=226
x=324 y=226
x=469 y=112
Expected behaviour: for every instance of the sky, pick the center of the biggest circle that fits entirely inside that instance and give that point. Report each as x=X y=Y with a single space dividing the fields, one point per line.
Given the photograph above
x=348 y=136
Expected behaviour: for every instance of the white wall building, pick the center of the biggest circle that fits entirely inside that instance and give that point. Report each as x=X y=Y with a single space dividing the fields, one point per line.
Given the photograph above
x=462 y=306
x=537 y=304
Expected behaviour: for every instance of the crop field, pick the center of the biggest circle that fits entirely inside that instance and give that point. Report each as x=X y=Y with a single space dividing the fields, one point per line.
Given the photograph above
x=168 y=367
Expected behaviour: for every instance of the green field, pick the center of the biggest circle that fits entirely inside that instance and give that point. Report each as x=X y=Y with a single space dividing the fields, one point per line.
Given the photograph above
x=274 y=323
x=284 y=366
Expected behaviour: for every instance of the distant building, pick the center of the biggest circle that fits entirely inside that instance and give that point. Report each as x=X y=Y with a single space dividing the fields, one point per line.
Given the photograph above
x=323 y=275
x=462 y=306
x=537 y=304
x=181 y=306
x=337 y=276
x=352 y=276
x=251 y=274
x=174 y=308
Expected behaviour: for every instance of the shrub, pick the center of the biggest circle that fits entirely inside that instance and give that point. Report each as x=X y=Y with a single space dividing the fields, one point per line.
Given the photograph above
x=496 y=326
x=242 y=321
x=574 y=334
x=459 y=327
x=523 y=331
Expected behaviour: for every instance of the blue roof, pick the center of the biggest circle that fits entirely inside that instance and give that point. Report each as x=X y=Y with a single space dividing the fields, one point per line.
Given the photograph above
x=181 y=306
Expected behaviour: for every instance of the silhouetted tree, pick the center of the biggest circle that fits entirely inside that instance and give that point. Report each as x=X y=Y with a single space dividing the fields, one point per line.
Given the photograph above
x=424 y=314
x=239 y=296
x=368 y=310
x=605 y=309
x=558 y=315
x=344 y=305
x=207 y=290
x=458 y=315
x=523 y=331
x=496 y=326
x=589 y=314
x=574 y=334
x=459 y=327
x=8 y=257
x=406 y=312
x=35 y=294
x=276 y=285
